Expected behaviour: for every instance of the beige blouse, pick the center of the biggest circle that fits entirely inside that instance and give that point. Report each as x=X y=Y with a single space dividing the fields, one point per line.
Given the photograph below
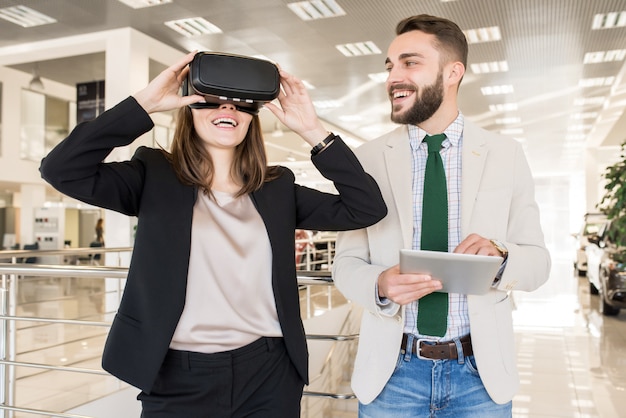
x=230 y=301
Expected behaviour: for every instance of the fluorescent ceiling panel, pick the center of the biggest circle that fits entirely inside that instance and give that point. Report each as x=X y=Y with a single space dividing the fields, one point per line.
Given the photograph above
x=604 y=56
x=379 y=77
x=508 y=121
x=493 y=90
x=586 y=101
x=490 y=67
x=25 y=16
x=596 y=82
x=358 y=49
x=193 y=26
x=316 y=9
x=140 y=4
x=487 y=34
x=609 y=20
x=503 y=107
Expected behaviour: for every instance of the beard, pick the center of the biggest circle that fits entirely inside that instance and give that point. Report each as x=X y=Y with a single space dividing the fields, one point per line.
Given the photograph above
x=428 y=100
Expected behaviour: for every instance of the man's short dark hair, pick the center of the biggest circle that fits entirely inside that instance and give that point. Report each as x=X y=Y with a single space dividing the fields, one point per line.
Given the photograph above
x=449 y=36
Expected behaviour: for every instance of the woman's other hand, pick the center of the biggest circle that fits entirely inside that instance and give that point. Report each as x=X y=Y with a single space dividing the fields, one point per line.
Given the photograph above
x=296 y=110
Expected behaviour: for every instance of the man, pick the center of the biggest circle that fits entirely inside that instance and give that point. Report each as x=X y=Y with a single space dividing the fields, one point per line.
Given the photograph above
x=491 y=210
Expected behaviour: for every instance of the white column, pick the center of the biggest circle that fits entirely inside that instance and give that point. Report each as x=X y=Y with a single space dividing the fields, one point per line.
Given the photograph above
x=32 y=196
x=127 y=71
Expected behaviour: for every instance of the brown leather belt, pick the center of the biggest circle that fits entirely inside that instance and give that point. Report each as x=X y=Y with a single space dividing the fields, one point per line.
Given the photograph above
x=438 y=351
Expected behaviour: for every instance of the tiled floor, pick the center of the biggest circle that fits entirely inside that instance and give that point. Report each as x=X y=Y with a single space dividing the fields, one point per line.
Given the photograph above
x=572 y=360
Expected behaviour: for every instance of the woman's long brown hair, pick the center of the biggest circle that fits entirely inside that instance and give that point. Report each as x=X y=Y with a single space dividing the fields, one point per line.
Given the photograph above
x=193 y=164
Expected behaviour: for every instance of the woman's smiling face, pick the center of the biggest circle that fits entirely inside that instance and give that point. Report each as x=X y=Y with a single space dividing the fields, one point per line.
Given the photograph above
x=221 y=128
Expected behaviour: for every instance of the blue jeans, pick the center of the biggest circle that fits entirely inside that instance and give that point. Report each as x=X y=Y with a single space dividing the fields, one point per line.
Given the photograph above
x=434 y=388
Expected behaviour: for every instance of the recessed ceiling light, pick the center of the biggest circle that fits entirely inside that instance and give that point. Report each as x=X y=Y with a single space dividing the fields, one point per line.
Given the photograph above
x=609 y=20
x=503 y=107
x=493 y=90
x=508 y=121
x=490 y=67
x=379 y=77
x=358 y=49
x=488 y=34
x=512 y=131
x=604 y=56
x=596 y=81
x=584 y=115
x=585 y=101
x=139 y=4
x=316 y=9
x=25 y=16
x=193 y=26
x=580 y=127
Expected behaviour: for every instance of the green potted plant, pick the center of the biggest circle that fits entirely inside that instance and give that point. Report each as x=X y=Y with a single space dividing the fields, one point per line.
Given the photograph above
x=613 y=203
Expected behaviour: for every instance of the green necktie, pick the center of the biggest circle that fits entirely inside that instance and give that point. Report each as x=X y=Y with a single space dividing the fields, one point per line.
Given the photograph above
x=432 y=311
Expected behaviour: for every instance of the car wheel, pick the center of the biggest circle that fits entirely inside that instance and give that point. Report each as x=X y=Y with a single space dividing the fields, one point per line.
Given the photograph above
x=592 y=289
x=606 y=309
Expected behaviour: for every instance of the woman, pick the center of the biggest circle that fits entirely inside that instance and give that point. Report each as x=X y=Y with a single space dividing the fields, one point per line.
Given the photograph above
x=100 y=231
x=209 y=323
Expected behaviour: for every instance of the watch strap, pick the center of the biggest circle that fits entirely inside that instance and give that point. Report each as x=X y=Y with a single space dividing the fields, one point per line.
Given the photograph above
x=500 y=247
x=316 y=149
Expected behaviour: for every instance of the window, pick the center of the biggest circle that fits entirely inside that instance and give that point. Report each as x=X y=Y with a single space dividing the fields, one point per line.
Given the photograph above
x=44 y=123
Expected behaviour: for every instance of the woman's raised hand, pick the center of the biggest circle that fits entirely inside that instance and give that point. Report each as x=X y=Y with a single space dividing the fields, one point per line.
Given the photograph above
x=296 y=110
x=162 y=94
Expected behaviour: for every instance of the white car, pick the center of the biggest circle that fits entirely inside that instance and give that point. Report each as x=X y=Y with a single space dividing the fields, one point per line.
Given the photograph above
x=592 y=224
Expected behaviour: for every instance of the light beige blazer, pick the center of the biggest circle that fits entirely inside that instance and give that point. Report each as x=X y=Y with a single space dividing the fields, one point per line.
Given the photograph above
x=497 y=202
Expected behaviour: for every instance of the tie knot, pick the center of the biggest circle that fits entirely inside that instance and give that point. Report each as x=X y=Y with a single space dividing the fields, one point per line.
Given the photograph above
x=434 y=142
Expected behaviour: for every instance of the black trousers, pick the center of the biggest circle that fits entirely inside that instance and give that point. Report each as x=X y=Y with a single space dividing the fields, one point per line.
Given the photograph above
x=257 y=380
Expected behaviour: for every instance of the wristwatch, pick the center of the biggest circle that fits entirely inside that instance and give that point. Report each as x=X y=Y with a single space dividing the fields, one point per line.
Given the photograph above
x=316 y=149
x=500 y=247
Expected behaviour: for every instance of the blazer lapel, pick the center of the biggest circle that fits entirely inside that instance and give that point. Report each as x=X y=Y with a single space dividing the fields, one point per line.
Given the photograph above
x=398 y=164
x=475 y=152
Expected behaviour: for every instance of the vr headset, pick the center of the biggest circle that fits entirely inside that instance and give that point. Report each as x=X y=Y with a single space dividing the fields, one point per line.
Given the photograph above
x=225 y=78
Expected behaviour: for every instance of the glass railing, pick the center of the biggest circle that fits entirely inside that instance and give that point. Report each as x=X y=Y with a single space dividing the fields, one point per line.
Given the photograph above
x=54 y=320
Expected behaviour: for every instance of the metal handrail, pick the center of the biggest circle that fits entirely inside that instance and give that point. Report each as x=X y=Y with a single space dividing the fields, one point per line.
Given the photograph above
x=64 y=251
x=57 y=368
x=305 y=278
x=42 y=412
x=56 y=271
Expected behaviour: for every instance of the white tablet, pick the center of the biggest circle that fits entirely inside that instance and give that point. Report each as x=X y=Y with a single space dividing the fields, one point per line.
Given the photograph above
x=459 y=273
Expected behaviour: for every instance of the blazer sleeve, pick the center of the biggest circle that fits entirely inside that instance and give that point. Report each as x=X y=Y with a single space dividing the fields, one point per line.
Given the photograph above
x=76 y=165
x=359 y=203
x=529 y=262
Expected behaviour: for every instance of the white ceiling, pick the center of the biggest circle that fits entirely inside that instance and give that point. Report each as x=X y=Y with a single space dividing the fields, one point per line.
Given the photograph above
x=543 y=42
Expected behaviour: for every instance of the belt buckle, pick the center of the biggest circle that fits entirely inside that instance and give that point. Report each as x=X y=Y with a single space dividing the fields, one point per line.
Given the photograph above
x=418 y=351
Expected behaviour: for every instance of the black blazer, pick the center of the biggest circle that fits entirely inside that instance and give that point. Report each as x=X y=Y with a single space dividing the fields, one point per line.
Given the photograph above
x=147 y=187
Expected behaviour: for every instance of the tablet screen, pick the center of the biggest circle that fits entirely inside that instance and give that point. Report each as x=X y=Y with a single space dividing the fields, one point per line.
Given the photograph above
x=459 y=273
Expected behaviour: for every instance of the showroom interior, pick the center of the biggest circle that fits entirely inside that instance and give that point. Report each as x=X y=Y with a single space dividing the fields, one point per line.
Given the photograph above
x=550 y=74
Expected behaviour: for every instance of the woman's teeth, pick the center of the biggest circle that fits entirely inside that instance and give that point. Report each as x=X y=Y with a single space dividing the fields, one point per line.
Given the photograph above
x=225 y=121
